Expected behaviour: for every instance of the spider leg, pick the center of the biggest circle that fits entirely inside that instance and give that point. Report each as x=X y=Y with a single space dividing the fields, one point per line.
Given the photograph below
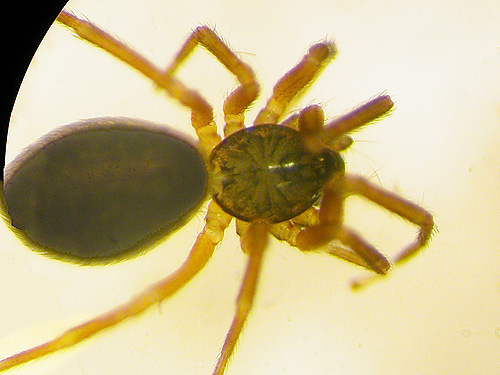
x=334 y=134
x=216 y=222
x=319 y=228
x=340 y=143
x=309 y=121
x=294 y=81
x=401 y=207
x=253 y=243
x=356 y=249
x=201 y=112
x=241 y=98
x=330 y=226
x=288 y=231
x=363 y=115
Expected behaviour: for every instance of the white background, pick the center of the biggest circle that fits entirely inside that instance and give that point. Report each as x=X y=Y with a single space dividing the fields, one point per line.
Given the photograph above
x=439 y=313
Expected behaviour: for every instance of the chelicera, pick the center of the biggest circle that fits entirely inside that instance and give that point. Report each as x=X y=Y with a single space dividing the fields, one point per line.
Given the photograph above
x=283 y=177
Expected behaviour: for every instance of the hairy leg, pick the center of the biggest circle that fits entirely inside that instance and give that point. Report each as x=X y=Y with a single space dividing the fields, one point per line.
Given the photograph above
x=253 y=242
x=240 y=99
x=294 y=81
x=201 y=112
x=216 y=222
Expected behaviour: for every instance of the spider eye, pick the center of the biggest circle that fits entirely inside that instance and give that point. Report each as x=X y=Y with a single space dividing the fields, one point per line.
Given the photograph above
x=330 y=163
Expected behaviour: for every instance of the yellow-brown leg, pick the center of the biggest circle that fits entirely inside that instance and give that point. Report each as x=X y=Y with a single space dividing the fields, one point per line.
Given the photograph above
x=216 y=222
x=334 y=134
x=296 y=79
x=326 y=225
x=288 y=231
x=253 y=243
x=330 y=227
x=310 y=122
x=400 y=206
x=201 y=112
x=239 y=100
x=361 y=116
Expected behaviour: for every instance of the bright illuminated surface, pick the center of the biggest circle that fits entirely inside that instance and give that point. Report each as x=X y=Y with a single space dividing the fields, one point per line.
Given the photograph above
x=438 y=313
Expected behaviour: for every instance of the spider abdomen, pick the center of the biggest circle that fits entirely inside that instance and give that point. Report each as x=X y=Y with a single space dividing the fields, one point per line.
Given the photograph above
x=103 y=187
x=264 y=172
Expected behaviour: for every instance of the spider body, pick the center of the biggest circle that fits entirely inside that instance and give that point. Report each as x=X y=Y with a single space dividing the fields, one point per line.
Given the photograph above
x=101 y=188
x=281 y=177
x=265 y=173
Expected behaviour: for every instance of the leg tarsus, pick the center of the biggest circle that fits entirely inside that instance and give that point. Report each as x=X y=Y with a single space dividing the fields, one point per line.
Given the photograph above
x=289 y=231
x=330 y=226
x=375 y=260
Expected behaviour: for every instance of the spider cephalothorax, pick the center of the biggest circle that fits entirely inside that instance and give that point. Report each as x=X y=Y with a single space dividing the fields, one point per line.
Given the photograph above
x=265 y=172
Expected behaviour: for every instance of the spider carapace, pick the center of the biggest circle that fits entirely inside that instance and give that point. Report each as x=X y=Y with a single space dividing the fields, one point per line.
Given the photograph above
x=265 y=173
x=280 y=176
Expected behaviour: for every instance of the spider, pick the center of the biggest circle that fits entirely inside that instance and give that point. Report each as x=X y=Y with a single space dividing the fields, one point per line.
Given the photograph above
x=280 y=177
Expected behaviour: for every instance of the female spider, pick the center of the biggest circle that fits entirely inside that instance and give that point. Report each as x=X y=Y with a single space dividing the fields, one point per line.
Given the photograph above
x=269 y=176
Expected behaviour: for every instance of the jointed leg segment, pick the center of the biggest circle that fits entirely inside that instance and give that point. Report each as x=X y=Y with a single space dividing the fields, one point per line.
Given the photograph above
x=293 y=82
x=216 y=222
x=253 y=243
x=361 y=116
x=326 y=224
x=400 y=206
x=331 y=228
x=319 y=229
x=201 y=112
x=239 y=100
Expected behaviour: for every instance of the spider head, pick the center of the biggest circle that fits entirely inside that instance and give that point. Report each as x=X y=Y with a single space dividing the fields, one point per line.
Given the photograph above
x=328 y=164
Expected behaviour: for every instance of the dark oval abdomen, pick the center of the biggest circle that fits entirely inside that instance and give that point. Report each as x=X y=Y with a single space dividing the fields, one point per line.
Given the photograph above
x=263 y=172
x=103 y=187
